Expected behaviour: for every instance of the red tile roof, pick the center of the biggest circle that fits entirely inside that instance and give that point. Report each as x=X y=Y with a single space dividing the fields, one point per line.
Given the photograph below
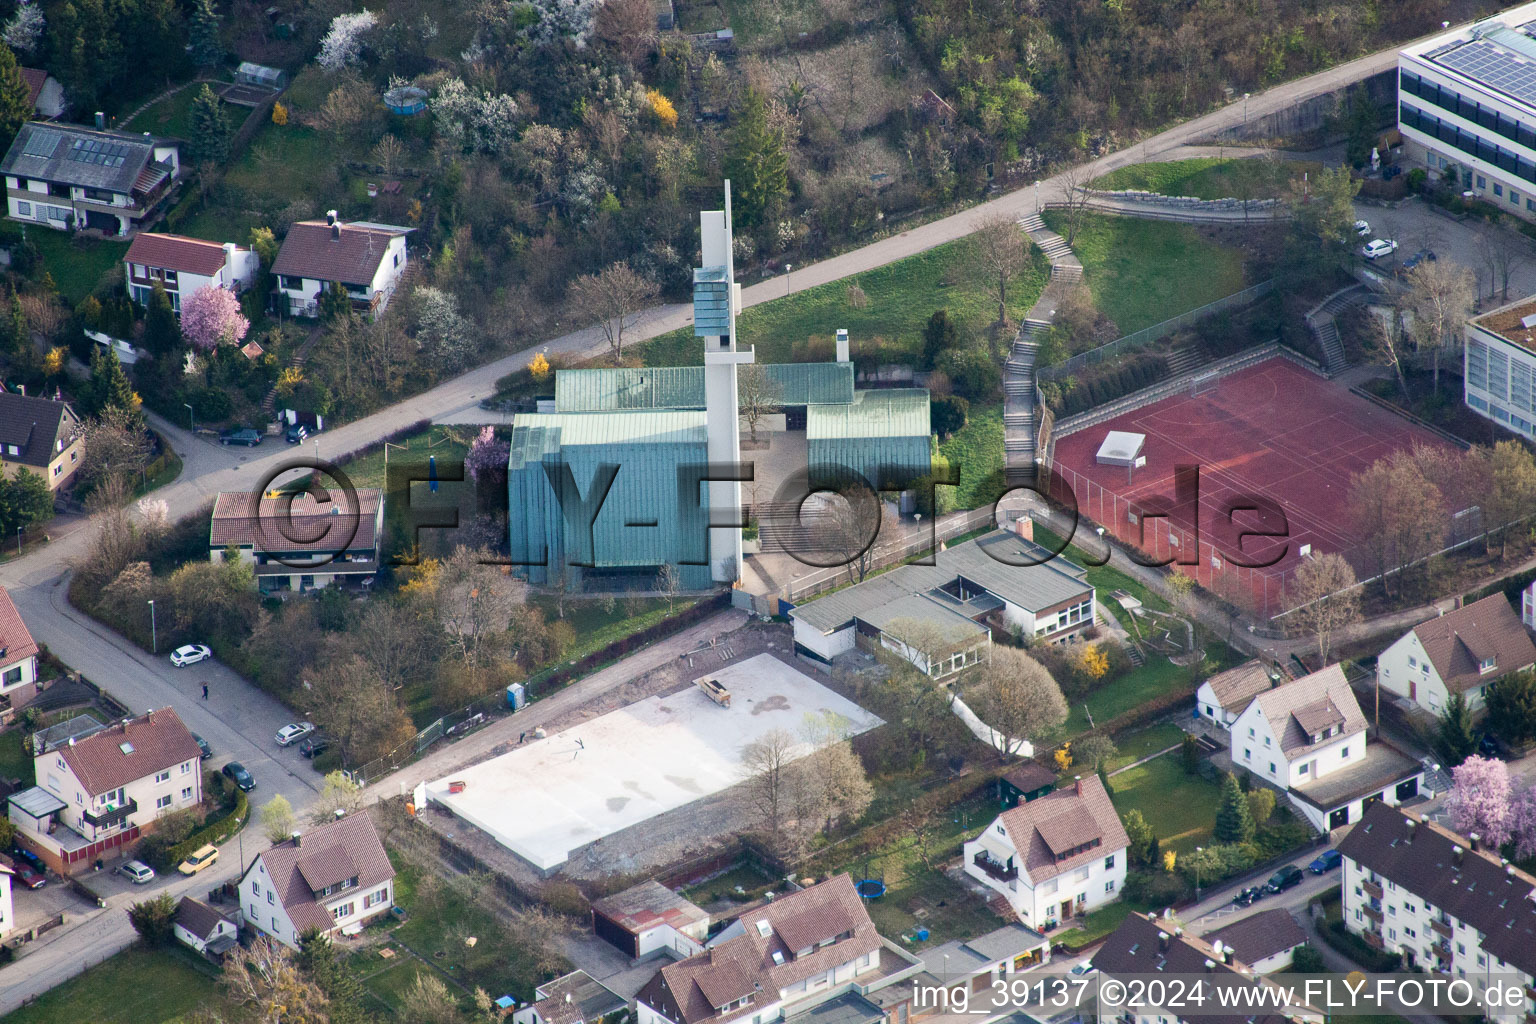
x=16 y=643
x=35 y=78
x=351 y=258
x=353 y=838
x=178 y=253
x=198 y=918
x=1057 y=823
x=309 y=525
x=124 y=753
x=1459 y=640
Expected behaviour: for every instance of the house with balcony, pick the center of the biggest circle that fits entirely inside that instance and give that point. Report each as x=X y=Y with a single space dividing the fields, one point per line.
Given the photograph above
x=810 y=954
x=1053 y=858
x=333 y=878
x=97 y=794
x=42 y=436
x=1307 y=738
x=19 y=681
x=367 y=260
x=1460 y=651
x=72 y=178
x=182 y=265
x=296 y=541
x=1446 y=902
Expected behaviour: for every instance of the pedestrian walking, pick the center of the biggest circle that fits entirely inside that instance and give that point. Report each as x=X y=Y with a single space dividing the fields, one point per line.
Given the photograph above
x=205 y=691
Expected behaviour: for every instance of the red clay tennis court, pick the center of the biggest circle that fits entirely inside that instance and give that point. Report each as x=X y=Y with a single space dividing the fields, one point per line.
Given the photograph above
x=1273 y=435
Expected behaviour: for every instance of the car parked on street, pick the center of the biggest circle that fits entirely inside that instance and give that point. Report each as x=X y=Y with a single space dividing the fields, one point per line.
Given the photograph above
x=1377 y=248
x=190 y=654
x=248 y=437
x=1422 y=256
x=236 y=773
x=203 y=858
x=293 y=732
x=315 y=745
x=29 y=876
x=1286 y=878
x=137 y=872
x=203 y=746
x=1325 y=862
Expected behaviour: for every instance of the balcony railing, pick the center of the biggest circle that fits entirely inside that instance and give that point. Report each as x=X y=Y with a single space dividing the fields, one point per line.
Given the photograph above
x=1371 y=889
x=108 y=819
x=1373 y=913
x=998 y=871
x=1442 y=928
x=1372 y=939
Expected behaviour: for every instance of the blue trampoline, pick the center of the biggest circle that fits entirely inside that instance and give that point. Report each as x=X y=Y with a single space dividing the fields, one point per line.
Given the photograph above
x=869 y=888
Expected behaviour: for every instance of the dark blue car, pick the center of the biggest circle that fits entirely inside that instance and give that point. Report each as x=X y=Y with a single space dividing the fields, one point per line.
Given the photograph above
x=1326 y=862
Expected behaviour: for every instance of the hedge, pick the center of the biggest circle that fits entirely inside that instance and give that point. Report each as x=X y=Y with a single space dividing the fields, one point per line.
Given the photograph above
x=219 y=830
x=1338 y=935
x=1509 y=586
x=1109 y=381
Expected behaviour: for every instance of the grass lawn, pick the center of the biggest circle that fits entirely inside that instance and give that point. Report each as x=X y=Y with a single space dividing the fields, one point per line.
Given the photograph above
x=597 y=628
x=977 y=450
x=901 y=297
x=15 y=763
x=1097 y=924
x=77 y=265
x=1139 y=685
x=1181 y=808
x=1209 y=177
x=173 y=115
x=1145 y=743
x=724 y=886
x=445 y=443
x=1142 y=272
x=117 y=991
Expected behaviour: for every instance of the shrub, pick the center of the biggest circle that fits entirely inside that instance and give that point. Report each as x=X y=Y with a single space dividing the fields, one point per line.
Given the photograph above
x=1306 y=960
x=217 y=830
x=1357 y=949
x=1157 y=888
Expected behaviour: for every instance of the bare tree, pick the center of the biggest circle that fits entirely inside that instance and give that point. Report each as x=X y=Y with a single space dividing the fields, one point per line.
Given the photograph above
x=770 y=783
x=1001 y=254
x=611 y=299
x=1387 y=333
x=1506 y=250
x=1074 y=187
x=1327 y=596
x=475 y=603
x=115 y=447
x=849 y=526
x=1093 y=750
x=265 y=980
x=669 y=582
x=429 y=1001
x=1401 y=512
x=629 y=26
x=923 y=642
x=1015 y=695
x=1509 y=488
x=834 y=786
x=758 y=395
x=1441 y=295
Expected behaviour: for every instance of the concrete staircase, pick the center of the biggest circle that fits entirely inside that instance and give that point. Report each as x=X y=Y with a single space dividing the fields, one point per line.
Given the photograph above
x=1064 y=263
x=1324 y=327
x=1184 y=359
x=1019 y=396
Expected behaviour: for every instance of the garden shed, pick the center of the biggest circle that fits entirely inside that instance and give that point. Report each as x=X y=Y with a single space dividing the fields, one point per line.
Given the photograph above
x=260 y=75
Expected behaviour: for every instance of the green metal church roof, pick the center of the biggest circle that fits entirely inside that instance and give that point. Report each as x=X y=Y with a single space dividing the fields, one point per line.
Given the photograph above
x=535 y=435
x=682 y=387
x=900 y=412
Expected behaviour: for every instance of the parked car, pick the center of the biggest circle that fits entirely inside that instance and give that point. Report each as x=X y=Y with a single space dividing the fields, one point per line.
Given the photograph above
x=1286 y=878
x=1363 y=228
x=1248 y=896
x=1377 y=248
x=297 y=433
x=202 y=745
x=1422 y=256
x=203 y=858
x=190 y=654
x=315 y=745
x=1489 y=746
x=239 y=776
x=138 y=872
x=1325 y=862
x=22 y=855
x=293 y=732
x=1084 y=968
x=30 y=877
x=248 y=437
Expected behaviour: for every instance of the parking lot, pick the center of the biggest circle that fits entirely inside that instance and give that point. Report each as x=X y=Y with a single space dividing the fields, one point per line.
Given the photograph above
x=1417 y=225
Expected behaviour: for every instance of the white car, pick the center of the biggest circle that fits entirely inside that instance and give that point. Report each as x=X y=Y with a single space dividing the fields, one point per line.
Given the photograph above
x=138 y=872
x=1378 y=248
x=1363 y=228
x=294 y=732
x=191 y=654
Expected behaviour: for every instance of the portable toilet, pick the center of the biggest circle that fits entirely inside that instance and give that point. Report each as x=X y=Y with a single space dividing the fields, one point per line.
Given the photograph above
x=517 y=696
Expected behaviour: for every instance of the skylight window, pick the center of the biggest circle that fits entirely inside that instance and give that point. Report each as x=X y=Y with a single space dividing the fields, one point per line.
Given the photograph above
x=125 y=747
x=764 y=929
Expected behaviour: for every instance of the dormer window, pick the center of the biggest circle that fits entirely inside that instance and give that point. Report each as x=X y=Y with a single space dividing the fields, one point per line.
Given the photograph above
x=1485 y=666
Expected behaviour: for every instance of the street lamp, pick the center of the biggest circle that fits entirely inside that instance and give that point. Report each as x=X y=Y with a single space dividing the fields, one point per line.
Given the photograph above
x=1197 y=874
x=191 y=420
x=1245 y=110
x=1037 y=197
x=154 y=636
x=787 y=268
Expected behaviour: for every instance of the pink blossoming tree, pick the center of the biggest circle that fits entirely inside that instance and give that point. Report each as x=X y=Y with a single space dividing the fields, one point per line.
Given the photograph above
x=1522 y=823
x=1479 y=800
x=211 y=317
x=486 y=455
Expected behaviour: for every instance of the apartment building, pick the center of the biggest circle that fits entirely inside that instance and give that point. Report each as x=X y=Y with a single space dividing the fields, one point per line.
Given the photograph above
x=1446 y=903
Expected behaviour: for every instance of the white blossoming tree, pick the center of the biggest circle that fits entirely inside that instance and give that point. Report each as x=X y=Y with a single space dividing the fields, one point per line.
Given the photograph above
x=25 y=29
x=567 y=19
x=475 y=119
x=343 y=44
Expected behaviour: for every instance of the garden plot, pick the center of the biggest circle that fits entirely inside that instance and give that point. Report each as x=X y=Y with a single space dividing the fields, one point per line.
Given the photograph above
x=852 y=84
x=551 y=796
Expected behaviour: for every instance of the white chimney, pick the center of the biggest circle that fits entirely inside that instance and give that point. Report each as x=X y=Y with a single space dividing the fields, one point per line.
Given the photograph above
x=296 y=838
x=330 y=217
x=842 y=344
x=230 y=270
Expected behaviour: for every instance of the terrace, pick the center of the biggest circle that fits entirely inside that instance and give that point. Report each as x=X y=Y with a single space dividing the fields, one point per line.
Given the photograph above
x=1510 y=323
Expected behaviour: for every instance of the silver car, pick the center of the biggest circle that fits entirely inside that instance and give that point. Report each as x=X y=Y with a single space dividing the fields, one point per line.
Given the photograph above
x=137 y=872
x=293 y=733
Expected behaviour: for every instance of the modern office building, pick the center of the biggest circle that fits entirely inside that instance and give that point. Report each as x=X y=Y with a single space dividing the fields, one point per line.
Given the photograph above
x=1499 y=366
x=1467 y=100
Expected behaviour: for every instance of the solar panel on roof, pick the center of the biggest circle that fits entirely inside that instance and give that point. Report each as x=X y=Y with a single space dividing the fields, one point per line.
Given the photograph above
x=1496 y=67
x=41 y=143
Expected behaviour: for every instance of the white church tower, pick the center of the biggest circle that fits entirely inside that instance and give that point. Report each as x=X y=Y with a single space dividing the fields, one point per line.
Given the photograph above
x=716 y=301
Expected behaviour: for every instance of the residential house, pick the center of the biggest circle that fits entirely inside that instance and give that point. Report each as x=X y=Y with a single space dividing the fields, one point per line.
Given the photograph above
x=182 y=265
x=1225 y=695
x=810 y=950
x=649 y=917
x=296 y=542
x=1265 y=941
x=334 y=878
x=1146 y=946
x=107 y=789
x=204 y=929
x=18 y=660
x=970 y=970
x=575 y=998
x=44 y=93
x=69 y=178
x=940 y=617
x=366 y=259
x=1053 y=858
x=1029 y=781
x=7 y=909
x=1461 y=651
x=1307 y=738
x=1445 y=902
x=42 y=436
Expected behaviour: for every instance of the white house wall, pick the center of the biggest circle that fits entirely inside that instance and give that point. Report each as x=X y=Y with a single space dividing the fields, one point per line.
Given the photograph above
x=824 y=645
x=261 y=909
